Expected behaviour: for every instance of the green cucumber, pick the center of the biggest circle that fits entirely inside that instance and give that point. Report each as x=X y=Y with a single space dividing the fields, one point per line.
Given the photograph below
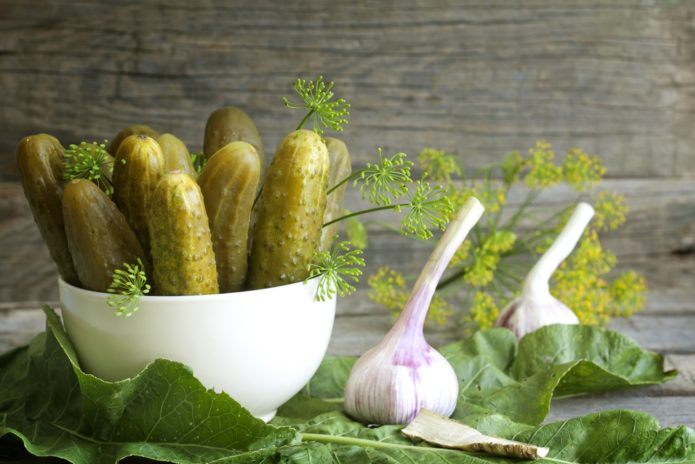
x=340 y=168
x=228 y=182
x=138 y=166
x=176 y=155
x=40 y=163
x=183 y=260
x=290 y=212
x=98 y=235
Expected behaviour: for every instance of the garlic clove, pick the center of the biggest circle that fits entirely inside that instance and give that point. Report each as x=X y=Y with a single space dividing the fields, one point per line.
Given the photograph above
x=536 y=307
x=402 y=374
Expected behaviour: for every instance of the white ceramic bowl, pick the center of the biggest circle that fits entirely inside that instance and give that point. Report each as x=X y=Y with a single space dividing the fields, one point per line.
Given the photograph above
x=261 y=347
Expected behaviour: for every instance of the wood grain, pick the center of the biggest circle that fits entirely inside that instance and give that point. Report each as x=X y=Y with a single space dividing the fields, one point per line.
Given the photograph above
x=478 y=77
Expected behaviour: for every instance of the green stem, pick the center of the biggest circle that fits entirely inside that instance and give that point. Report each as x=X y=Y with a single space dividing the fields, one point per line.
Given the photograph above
x=530 y=198
x=306 y=118
x=452 y=278
x=370 y=210
x=352 y=176
x=340 y=440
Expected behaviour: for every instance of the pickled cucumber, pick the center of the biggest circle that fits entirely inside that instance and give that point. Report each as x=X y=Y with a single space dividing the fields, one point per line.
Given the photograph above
x=138 y=167
x=228 y=183
x=340 y=168
x=98 y=235
x=135 y=129
x=231 y=124
x=176 y=155
x=40 y=163
x=183 y=260
x=290 y=212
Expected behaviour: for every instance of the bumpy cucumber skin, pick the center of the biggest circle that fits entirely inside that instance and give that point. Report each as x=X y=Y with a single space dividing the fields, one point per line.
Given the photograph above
x=340 y=166
x=176 y=155
x=99 y=237
x=40 y=163
x=228 y=182
x=183 y=260
x=231 y=124
x=137 y=169
x=290 y=212
x=135 y=129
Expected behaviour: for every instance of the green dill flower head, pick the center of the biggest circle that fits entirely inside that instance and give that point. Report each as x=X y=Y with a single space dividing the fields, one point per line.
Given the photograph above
x=429 y=207
x=89 y=161
x=582 y=171
x=542 y=171
x=356 y=232
x=483 y=311
x=336 y=268
x=440 y=166
x=386 y=180
x=611 y=210
x=317 y=100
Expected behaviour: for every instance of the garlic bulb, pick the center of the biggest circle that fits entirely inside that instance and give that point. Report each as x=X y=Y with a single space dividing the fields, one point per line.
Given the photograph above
x=536 y=307
x=392 y=381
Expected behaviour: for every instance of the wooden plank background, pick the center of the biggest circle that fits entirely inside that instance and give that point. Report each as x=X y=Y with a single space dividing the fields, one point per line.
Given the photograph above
x=478 y=78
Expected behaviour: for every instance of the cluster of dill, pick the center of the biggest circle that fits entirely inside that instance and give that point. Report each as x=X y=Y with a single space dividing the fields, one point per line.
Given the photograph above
x=488 y=269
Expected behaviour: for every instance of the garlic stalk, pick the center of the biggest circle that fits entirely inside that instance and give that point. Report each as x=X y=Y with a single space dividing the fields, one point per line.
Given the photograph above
x=402 y=374
x=536 y=307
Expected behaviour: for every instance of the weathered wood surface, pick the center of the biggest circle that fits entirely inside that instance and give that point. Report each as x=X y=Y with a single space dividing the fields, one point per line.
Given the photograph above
x=475 y=77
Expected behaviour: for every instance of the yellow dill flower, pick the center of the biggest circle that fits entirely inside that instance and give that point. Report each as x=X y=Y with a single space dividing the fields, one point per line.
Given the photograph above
x=439 y=165
x=491 y=197
x=611 y=210
x=462 y=253
x=582 y=171
x=511 y=167
x=486 y=257
x=585 y=294
x=500 y=241
x=542 y=171
x=388 y=288
x=483 y=311
x=627 y=294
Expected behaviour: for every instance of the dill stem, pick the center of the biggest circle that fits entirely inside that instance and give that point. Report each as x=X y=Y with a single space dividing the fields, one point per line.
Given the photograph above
x=352 y=176
x=365 y=211
x=306 y=118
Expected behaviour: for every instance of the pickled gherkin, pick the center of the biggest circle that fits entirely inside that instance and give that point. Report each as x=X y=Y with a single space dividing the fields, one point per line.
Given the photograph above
x=135 y=129
x=340 y=168
x=231 y=124
x=183 y=260
x=228 y=183
x=176 y=155
x=138 y=167
x=290 y=212
x=99 y=237
x=40 y=162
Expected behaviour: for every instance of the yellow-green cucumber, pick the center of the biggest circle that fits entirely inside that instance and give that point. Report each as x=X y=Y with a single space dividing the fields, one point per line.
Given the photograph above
x=40 y=163
x=228 y=182
x=99 y=237
x=138 y=166
x=340 y=168
x=183 y=260
x=176 y=155
x=135 y=129
x=290 y=212
x=231 y=124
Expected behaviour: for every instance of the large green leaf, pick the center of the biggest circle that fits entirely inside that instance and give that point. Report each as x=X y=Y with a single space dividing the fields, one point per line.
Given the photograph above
x=164 y=413
x=497 y=375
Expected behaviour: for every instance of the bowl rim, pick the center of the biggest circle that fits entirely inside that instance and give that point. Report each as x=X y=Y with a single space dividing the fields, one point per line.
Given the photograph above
x=179 y=298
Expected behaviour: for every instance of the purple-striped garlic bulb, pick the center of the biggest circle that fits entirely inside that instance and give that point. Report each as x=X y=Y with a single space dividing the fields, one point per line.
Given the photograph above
x=392 y=381
x=536 y=307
